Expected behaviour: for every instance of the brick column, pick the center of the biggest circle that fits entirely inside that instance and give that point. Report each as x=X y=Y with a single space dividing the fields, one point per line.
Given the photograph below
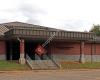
x=82 y=57
x=22 y=53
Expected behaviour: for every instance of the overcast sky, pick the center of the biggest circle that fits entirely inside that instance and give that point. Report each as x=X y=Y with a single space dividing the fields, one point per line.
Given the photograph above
x=77 y=15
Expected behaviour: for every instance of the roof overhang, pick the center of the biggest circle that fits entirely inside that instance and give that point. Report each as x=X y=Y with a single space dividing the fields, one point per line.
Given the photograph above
x=31 y=33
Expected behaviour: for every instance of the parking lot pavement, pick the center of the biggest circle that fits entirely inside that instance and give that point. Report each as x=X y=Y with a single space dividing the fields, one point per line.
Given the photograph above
x=51 y=75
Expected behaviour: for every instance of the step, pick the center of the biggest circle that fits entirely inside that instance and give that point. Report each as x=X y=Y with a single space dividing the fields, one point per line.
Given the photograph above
x=41 y=64
x=34 y=65
x=49 y=63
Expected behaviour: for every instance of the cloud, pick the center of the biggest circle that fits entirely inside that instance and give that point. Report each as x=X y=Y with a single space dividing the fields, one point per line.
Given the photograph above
x=31 y=12
x=23 y=12
x=74 y=15
x=77 y=25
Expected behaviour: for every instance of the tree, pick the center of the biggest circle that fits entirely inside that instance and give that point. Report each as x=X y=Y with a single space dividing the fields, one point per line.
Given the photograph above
x=96 y=29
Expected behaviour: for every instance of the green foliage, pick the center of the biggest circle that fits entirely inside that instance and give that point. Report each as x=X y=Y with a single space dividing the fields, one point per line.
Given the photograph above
x=96 y=29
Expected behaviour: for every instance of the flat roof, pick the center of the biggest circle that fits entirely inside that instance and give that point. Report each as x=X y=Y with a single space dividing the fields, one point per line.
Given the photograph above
x=25 y=30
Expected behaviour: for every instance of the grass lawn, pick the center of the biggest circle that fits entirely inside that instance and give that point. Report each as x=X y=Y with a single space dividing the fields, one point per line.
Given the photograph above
x=12 y=65
x=77 y=65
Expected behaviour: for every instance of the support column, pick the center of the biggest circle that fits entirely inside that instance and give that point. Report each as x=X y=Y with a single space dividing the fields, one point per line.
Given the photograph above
x=22 y=52
x=82 y=57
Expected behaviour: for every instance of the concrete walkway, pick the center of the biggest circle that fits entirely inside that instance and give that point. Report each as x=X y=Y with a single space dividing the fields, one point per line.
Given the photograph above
x=51 y=75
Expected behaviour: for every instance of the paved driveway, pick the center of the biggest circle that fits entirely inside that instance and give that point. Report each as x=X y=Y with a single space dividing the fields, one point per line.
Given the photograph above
x=51 y=75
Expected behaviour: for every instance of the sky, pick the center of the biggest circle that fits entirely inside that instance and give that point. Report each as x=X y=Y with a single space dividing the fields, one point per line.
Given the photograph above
x=73 y=15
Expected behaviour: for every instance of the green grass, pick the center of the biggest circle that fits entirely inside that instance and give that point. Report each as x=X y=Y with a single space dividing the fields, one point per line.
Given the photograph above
x=12 y=65
x=77 y=65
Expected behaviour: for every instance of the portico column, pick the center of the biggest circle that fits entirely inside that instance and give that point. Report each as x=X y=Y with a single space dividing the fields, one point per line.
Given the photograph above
x=22 y=52
x=82 y=57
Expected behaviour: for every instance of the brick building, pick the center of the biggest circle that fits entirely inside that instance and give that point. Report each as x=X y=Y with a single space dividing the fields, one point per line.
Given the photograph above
x=17 y=40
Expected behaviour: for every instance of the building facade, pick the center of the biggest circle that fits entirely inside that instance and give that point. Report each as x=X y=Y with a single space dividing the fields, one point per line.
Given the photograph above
x=17 y=40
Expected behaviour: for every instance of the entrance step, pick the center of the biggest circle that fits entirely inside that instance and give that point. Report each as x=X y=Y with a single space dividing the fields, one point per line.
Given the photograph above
x=34 y=65
x=42 y=64
x=50 y=64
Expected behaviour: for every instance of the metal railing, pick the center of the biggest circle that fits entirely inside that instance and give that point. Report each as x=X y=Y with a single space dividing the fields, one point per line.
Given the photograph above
x=29 y=61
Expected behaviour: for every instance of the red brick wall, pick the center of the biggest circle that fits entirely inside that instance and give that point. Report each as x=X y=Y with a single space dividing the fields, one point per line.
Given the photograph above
x=68 y=48
x=87 y=49
x=97 y=49
x=57 y=48
x=2 y=47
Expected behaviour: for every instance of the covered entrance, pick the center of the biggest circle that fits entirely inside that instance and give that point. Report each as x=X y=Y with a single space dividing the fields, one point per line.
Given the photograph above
x=30 y=47
x=13 y=49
